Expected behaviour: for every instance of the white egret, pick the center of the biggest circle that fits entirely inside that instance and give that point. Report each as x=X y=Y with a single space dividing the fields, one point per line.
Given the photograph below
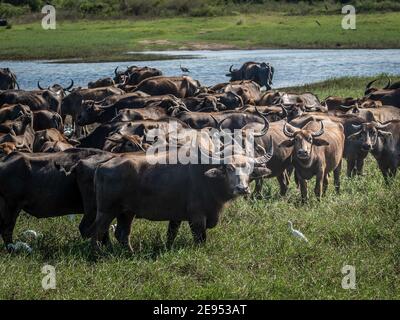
x=297 y=233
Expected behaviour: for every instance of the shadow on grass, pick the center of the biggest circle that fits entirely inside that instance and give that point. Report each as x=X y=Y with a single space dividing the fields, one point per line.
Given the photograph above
x=46 y=249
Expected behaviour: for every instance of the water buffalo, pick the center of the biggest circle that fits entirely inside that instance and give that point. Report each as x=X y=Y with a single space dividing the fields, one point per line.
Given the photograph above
x=337 y=103
x=50 y=139
x=72 y=104
x=35 y=100
x=248 y=90
x=133 y=75
x=8 y=79
x=34 y=183
x=144 y=108
x=383 y=140
x=316 y=152
x=261 y=73
x=232 y=119
x=104 y=82
x=45 y=119
x=180 y=87
x=57 y=88
x=389 y=95
x=131 y=186
x=382 y=114
x=13 y=112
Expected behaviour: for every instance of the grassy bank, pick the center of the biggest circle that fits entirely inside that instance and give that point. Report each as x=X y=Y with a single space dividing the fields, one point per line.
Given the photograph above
x=110 y=40
x=250 y=254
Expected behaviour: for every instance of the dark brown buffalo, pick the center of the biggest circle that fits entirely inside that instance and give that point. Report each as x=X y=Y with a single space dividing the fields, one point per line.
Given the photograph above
x=273 y=113
x=232 y=119
x=120 y=143
x=153 y=107
x=337 y=103
x=261 y=73
x=381 y=114
x=34 y=183
x=133 y=75
x=101 y=83
x=8 y=79
x=44 y=119
x=72 y=104
x=132 y=186
x=19 y=125
x=384 y=142
x=354 y=152
x=35 y=100
x=13 y=112
x=50 y=140
x=19 y=130
x=248 y=90
x=317 y=150
x=57 y=89
x=389 y=95
x=180 y=87
x=98 y=138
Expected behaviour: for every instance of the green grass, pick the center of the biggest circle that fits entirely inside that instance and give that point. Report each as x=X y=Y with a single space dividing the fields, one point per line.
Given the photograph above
x=110 y=40
x=250 y=254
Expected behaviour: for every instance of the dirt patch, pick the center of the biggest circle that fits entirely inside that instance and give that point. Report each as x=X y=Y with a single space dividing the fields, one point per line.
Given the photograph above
x=158 y=42
x=206 y=46
x=188 y=45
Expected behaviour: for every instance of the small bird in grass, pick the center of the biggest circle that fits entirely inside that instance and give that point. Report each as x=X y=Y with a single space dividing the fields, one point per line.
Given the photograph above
x=297 y=233
x=18 y=246
x=184 y=69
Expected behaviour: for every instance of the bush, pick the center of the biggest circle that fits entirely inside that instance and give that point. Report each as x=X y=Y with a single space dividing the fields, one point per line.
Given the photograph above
x=34 y=5
x=8 y=10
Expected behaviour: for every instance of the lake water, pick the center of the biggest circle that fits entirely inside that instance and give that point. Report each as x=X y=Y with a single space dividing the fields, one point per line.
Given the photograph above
x=292 y=67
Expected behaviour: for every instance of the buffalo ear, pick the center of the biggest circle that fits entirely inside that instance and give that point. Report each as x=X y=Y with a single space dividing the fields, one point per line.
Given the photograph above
x=214 y=173
x=320 y=142
x=287 y=144
x=259 y=172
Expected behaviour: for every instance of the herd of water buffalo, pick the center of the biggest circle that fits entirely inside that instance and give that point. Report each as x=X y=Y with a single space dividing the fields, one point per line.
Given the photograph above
x=68 y=150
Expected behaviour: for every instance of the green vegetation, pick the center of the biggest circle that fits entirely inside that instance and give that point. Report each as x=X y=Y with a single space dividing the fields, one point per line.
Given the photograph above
x=110 y=40
x=193 y=8
x=250 y=254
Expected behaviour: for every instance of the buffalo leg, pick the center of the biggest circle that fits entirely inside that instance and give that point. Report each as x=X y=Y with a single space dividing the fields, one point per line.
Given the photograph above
x=283 y=180
x=198 y=228
x=123 y=231
x=84 y=226
x=258 y=188
x=318 y=184
x=303 y=188
x=101 y=230
x=325 y=185
x=351 y=164
x=7 y=226
x=336 y=176
x=385 y=173
x=173 y=228
x=360 y=166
